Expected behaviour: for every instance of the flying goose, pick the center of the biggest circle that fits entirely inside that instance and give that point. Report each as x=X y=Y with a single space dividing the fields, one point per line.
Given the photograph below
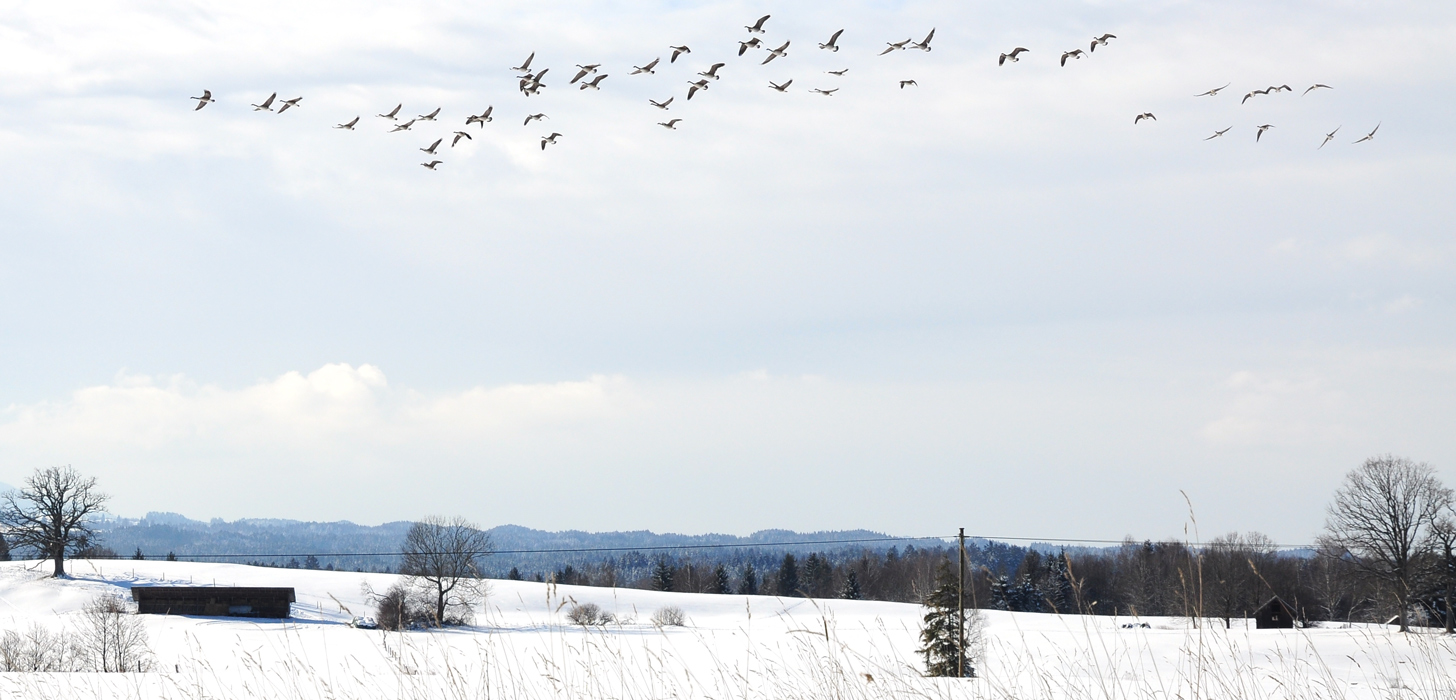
x=892 y=46
x=534 y=117
x=348 y=125
x=700 y=85
x=391 y=114
x=712 y=72
x=461 y=135
x=661 y=105
x=924 y=45
x=594 y=84
x=1316 y=85
x=1100 y=41
x=826 y=93
x=832 y=44
x=433 y=146
x=531 y=84
x=669 y=124
x=1144 y=115
x=403 y=127
x=1217 y=134
x=753 y=43
x=776 y=53
x=839 y=72
x=1213 y=92
x=589 y=69
x=481 y=118
x=548 y=139
x=1012 y=57
x=647 y=68
x=757 y=27
x=1262 y=129
x=267 y=105
x=431 y=165
x=431 y=116
x=1329 y=137
x=912 y=83
x=525 y=67
x=1370 y=136
x=204 y=100
x=1252 y=93
x=678 y=51
x=1074 y=53
x=780 y=88
x=289 y=103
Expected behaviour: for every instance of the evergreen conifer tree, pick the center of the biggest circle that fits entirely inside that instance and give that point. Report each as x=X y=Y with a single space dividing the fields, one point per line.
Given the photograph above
x=310 y=562
x=1025 y=596
x=748 y=585
x=514 y=575
x=662 y=575
x=4 y=549
x=946 y=654
x=720 y=583
x=1057 y=589
x=851 y=590
x=138 y=556
x=818 y=576
x=171 y=556
x=1001 y=593
x=788 y=581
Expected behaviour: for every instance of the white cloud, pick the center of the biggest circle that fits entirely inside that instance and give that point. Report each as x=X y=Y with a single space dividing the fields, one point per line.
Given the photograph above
x=334 y=406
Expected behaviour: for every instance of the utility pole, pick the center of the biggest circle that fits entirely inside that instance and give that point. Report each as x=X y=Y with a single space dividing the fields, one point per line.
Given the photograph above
x=961 y=605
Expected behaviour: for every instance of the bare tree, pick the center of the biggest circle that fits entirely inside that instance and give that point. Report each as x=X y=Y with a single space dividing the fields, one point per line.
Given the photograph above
x=442 y=556
x=1382 y=516
x=112 y=639
x=1232 y=571
x=52 y=513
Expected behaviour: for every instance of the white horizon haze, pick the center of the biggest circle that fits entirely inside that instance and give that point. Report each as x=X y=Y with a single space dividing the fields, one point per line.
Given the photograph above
x=989 y=301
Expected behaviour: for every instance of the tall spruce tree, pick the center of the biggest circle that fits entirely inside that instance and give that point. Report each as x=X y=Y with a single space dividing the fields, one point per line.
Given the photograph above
x=788 y=581
x=851 y=590
x=662 y=575
x=819 y=575
x=946 y=653
x=748 y=585
x=1001 y=593
x=720 y=584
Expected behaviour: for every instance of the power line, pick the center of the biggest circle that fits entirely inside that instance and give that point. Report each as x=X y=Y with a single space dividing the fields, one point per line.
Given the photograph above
x=680 y=547
x=574 y=550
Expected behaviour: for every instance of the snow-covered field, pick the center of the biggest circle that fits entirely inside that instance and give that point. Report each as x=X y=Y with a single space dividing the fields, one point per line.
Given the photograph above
x=732 y=647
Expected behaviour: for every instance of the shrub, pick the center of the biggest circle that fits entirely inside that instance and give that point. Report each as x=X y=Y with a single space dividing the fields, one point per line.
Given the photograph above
x=399 y=608
x=669 y=616
x=588 y=614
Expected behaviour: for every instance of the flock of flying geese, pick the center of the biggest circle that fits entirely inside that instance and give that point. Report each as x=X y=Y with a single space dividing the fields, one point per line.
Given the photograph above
x=532 y=81
x=1260 y=129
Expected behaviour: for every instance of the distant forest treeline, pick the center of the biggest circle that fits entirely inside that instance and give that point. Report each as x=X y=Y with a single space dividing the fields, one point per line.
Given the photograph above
x=1229 y=577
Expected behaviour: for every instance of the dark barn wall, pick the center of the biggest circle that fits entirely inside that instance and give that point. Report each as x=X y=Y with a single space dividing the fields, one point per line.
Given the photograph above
x=213 y=601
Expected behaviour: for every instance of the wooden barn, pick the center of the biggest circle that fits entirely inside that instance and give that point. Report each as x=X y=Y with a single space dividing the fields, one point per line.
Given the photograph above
x=213 y=601
x=1273 y=615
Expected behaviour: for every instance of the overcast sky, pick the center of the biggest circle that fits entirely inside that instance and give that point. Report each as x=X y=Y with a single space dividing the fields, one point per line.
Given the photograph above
x=987 y=301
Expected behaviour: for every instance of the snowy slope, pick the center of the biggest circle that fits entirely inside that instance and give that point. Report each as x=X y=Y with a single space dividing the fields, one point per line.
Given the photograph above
x=732 y=647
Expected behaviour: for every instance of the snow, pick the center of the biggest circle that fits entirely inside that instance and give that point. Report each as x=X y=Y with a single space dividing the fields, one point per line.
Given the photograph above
x=732 y=647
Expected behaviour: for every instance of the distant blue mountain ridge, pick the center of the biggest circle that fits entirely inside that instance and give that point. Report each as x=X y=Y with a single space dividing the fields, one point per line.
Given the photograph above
x=351 y=546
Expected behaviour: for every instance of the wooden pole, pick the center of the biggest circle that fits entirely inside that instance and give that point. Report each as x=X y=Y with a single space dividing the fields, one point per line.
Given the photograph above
x=961 y=606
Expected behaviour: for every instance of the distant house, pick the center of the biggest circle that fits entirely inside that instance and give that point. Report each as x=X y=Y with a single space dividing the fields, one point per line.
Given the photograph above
x=213 y=601
x=1275 y=614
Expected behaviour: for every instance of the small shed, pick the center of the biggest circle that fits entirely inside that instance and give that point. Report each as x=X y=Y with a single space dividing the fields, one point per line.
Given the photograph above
x=1275 y=614
x=213 y=601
